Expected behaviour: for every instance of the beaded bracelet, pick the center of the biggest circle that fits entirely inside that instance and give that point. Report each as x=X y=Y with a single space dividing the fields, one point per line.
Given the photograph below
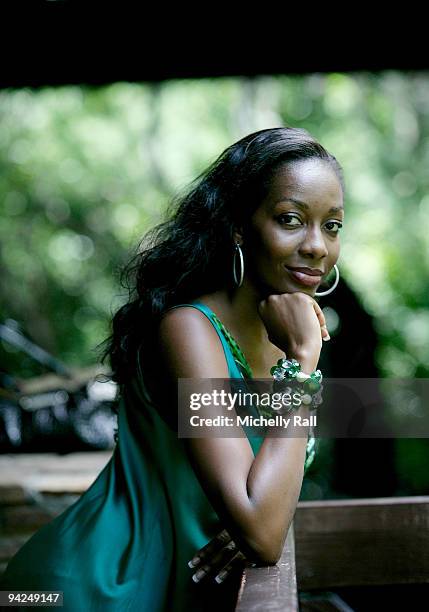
x=310 y=391
x=311 y=388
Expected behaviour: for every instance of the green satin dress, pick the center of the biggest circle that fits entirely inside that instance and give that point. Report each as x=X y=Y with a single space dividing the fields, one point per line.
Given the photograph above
x=124 y=545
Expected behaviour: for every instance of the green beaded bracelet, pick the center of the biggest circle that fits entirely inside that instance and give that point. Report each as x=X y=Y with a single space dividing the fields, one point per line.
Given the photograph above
x=290 y=370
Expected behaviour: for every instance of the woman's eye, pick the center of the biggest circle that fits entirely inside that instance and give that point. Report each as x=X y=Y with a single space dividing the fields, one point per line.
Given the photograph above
x=331 y=223
x=288 y=218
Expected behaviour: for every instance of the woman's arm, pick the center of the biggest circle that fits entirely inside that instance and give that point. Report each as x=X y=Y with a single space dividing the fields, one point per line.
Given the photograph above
x=254 y=497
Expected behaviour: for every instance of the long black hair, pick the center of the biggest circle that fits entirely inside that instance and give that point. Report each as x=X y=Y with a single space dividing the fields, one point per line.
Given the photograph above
x=190 y=252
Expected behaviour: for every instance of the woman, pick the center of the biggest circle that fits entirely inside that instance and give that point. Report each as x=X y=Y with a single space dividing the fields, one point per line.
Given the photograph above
x=223 y=289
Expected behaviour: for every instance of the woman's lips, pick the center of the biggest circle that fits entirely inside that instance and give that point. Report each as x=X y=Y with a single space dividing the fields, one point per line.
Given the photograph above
x=305 y=279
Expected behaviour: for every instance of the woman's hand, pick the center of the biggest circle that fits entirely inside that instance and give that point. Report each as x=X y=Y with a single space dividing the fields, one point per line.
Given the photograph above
x=217 y=558
x=295 y=323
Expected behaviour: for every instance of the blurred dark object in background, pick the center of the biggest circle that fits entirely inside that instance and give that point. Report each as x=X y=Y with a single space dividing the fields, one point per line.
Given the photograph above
x=63 y=411
x=362 y=467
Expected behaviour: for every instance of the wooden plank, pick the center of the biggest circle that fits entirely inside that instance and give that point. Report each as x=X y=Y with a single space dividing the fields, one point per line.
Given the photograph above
x=14 y=494
x=50 y=472
x=10 y=544
x=362 y=542
x=28 y=518
x=271 y=588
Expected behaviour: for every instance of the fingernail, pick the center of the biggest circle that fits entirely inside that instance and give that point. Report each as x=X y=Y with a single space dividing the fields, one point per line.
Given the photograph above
x=193 y=562
x=198 y=575
x=220 y=577
x=326 y=338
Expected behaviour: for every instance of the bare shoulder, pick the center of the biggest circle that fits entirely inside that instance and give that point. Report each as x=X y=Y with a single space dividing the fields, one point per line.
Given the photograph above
x=188 y=342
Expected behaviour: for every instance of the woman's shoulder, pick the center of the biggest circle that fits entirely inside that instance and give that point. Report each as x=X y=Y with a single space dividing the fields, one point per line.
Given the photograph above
x=173 y=319
x=184 y=345
x=186 y=332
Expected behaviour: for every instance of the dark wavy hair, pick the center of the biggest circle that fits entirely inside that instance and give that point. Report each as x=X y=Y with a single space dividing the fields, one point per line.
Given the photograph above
x=190 y=252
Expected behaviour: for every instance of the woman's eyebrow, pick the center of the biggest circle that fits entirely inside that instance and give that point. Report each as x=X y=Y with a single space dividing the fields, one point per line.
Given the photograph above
x=333 y=209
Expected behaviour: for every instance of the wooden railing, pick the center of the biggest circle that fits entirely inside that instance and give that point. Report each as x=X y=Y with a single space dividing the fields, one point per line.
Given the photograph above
x=272 y=588
x=362 y=542
x=331 y=544
x=338 y=543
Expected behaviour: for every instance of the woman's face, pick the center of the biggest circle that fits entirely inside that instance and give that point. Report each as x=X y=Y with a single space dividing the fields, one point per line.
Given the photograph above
x=296 y=226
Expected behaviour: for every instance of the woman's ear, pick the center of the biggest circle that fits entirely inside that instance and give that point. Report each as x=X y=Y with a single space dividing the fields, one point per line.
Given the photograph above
x=237 y=235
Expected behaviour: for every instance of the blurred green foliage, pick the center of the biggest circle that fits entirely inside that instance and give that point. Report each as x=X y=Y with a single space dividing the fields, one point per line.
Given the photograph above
x=85 y=171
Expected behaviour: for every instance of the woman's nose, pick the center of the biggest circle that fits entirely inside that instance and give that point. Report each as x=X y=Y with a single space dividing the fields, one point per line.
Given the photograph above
x=313 y=244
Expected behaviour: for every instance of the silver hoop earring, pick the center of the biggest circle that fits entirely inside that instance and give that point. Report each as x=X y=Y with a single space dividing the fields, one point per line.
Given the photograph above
x=239 y=251
x=330 y=290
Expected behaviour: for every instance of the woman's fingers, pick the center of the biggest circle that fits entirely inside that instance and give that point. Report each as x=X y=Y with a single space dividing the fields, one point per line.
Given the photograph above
x=216 y=562
x=322 y=321
x=325 y=333
x=217 y=542
x=238 y=558
x=319 y=313
x=219 y=556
